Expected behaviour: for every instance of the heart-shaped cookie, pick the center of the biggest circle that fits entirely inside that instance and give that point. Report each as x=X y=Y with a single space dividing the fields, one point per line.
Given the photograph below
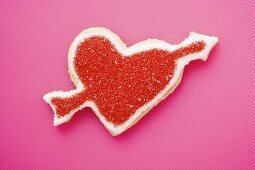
x=121 y=84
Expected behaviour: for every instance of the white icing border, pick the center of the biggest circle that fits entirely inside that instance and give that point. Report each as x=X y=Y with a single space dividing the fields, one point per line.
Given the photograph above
x=210 y=42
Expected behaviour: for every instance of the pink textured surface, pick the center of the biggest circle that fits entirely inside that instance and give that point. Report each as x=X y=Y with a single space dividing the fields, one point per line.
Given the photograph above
x=208 y=123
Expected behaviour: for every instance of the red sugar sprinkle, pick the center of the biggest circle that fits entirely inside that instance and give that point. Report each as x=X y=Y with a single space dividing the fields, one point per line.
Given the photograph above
x=120 y=85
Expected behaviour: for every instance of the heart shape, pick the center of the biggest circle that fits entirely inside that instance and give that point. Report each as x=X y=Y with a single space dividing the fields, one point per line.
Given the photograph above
x=120 y=86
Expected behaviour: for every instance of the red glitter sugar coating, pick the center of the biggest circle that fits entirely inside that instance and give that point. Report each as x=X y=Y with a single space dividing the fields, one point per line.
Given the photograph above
x=118 y=84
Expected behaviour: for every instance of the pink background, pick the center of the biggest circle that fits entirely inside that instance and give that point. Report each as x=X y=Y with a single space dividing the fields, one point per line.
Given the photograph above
x=208 y=123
